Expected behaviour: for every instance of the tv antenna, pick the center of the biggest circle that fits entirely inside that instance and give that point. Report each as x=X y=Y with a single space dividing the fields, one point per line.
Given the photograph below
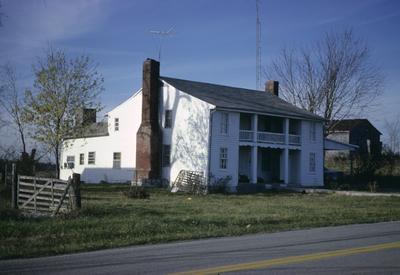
x=258 y=46
x=161 y=35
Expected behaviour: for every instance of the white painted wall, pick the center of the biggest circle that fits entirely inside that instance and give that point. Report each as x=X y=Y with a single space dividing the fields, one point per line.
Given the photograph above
x=189 y=138
x=189 y=134
x=308 y=146
x=124 y=141
x=230 y=141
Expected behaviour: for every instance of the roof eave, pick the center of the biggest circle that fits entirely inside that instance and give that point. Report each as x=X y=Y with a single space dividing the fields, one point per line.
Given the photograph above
x=277 y=114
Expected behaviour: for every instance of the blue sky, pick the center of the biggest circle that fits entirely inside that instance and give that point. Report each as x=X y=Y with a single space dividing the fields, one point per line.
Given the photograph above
x=213 y=41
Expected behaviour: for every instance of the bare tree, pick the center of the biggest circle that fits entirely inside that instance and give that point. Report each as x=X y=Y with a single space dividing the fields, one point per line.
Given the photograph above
x=333 y=78
x=393 y=135
x=62 y=87
x=11 y=102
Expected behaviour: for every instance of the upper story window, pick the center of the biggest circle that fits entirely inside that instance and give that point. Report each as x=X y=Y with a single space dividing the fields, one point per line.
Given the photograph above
x=92 y=158
x=70 y=162
x=117 y=160
x=81 y=159
x=311 y=164
x=168 y=119
x=166 y=157
x=116 y=124
x=223 y=158
x=313 y=131
x=224 y=123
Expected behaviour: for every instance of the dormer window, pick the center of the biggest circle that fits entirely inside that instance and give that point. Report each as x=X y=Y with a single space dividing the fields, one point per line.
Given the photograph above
x=116 y=124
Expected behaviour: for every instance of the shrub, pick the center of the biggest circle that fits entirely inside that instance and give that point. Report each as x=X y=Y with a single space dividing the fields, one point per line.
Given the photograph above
x=243 y=178
x=219 y=185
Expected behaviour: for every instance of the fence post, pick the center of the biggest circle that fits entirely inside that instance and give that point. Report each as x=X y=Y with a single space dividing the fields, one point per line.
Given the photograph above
x=75 y=194
x=14 y=187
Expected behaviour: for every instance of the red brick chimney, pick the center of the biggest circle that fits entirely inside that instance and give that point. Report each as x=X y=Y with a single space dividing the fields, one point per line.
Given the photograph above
x=148 y=137
x=272 y=86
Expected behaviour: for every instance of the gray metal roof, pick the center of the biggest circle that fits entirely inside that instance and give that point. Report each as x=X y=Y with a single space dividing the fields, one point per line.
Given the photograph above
x=239 y=99
x=97 y=129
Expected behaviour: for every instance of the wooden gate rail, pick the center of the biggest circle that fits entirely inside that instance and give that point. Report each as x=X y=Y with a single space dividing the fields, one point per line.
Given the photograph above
x=43 y=195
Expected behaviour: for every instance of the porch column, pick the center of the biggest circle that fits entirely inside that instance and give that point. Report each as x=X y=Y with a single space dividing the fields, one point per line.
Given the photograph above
x=286 y=165
x=254 y=155
x=286 y=152
x=254 y=150
x=286 y=130
x=254 y=127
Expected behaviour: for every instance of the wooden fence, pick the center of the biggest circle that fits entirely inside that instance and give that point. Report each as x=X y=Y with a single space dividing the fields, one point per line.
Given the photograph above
x=6 y=173
x=46 y=195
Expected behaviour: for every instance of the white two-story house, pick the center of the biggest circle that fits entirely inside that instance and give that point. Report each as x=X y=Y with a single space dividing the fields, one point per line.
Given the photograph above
x=223 y=132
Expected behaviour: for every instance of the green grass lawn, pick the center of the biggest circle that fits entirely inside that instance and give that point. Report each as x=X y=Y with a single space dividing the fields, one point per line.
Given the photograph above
x=109 y=219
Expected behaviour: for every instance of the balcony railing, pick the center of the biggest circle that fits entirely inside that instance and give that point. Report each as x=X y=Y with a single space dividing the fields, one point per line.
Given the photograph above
x=268 y=137
x=294 y=140
x=271 y=137
x=245 y=135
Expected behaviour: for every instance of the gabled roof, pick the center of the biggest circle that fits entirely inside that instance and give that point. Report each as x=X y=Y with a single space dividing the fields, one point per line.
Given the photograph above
x=239 y=99
x=350 y=124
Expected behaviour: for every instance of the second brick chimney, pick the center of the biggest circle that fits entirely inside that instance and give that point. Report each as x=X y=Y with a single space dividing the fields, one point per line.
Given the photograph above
x=272 y=86
x=148 y=137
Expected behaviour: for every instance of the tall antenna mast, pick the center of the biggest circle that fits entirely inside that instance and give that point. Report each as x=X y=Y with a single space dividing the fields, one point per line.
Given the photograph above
x=258 y=47
x=162 y=35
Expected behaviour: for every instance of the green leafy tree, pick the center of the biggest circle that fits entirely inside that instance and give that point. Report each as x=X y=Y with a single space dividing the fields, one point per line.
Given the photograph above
x=62 y=87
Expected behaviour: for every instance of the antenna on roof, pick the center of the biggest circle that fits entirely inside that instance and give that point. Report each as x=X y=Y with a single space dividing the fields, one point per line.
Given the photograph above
x=161 y=35
x=258 y=47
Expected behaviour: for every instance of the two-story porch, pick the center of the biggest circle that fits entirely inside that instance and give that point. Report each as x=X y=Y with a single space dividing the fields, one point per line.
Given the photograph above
x=269 y=149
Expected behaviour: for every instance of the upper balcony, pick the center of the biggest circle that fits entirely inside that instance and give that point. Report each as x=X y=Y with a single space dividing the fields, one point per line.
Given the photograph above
x=269 y=129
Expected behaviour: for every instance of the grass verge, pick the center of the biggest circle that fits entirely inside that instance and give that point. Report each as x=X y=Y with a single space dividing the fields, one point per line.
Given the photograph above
x=109 y=219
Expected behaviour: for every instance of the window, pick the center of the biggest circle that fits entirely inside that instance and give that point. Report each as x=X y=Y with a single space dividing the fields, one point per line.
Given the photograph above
x=92 y=158
x=81 y=159
x=223 y=158
x=166 y=155
x=224 y=123
x=312 y=131
x=168 y=119
x=117 y=160
x=116 y=124
x=70 y=162
x=312 y=163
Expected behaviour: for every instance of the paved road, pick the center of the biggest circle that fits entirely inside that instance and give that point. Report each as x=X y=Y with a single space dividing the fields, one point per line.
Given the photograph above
x=361 y=249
